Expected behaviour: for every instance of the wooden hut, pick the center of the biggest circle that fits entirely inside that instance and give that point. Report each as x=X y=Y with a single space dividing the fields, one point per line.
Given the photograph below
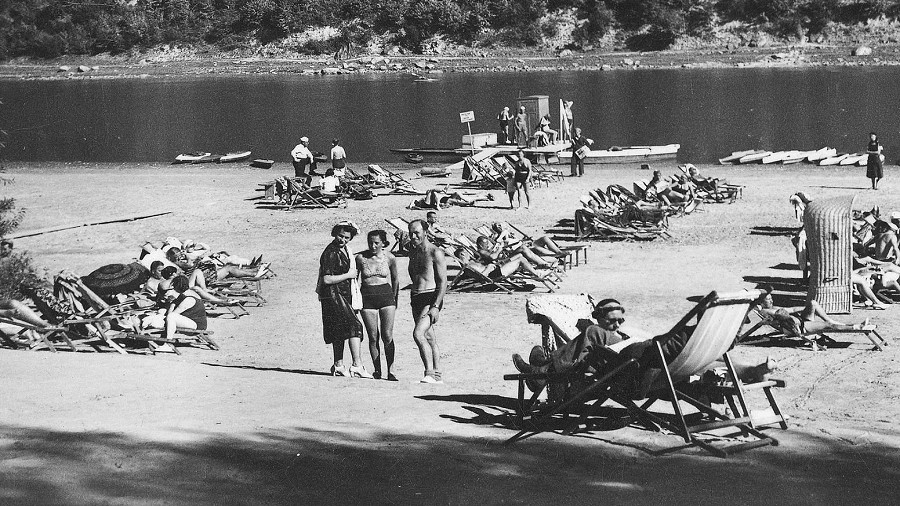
x=829 y=242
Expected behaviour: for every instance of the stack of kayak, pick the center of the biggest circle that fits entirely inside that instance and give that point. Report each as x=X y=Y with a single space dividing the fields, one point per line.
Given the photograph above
x=824 y=156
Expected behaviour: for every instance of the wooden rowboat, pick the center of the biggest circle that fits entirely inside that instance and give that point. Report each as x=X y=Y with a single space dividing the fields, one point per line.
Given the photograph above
x=207 y=159
x=261 y=163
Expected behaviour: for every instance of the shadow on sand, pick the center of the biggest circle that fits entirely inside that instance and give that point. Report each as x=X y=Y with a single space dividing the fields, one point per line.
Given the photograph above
x=304 y=465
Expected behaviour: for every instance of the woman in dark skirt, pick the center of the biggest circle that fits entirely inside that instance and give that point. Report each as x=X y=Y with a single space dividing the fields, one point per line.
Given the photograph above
x=339 y=320
x=874 y=169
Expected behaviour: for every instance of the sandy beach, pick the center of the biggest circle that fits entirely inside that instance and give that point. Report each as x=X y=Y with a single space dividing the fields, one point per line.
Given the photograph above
x=262 y=422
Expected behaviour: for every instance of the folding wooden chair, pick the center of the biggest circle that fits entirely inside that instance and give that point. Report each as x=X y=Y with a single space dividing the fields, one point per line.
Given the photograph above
x=813 y=339
x=718 y=319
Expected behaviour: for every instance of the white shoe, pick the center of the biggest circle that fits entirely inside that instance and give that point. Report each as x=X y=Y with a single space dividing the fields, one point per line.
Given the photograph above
x=360 y=372
x=429 y=379
x=262 y=270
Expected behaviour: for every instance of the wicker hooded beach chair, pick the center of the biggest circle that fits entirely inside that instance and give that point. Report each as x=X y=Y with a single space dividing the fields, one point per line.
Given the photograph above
x=829 y=236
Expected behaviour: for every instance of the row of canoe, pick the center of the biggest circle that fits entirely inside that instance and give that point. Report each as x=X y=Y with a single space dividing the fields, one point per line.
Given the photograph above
x=824 y=156
x=202 y=157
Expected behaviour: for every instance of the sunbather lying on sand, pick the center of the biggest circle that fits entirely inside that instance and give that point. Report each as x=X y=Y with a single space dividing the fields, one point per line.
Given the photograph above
x=436 y=199
x=610 y=315
x=802 y=322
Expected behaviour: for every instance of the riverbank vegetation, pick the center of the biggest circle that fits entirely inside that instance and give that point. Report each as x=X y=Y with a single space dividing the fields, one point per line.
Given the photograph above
x=52 y=28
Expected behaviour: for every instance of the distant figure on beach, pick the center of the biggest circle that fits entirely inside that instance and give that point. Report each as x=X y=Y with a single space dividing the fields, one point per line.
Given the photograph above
x=503 y=133
x=337 y=273
x=301 y=156
x=428 y=272
x=521 y=181
x=338 y=158
x=567 y=121
x=378 y=282
x=522 y=127
x=874 y=168
x=545 y=128
x=580 y=147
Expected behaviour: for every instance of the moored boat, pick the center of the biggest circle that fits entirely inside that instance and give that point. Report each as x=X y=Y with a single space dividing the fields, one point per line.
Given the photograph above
x=237 y=156
x=626 y=154
x=209 y=158
x=190 y=157
x=777 y=156
x=821 y=154
x=854 y=159
x=754 y=157
x=261 y=163
x=736 y=155
x=833 y=160
x=414 y=158
x=796 y=157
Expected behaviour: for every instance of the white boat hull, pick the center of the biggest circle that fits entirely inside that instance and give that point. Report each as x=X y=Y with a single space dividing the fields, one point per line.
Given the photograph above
x=628 y=154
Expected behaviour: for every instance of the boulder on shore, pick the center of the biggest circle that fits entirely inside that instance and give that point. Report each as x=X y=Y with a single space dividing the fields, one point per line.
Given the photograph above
x=862 y=51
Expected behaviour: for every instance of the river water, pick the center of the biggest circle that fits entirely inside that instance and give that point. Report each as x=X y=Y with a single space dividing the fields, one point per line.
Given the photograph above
x=710 y=112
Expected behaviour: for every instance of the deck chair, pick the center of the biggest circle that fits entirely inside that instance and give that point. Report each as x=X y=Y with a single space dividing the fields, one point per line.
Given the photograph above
x=818 y=341
x=655 y=377
x=394 y=181
x=469 y=279
x=483 y=175
x=183 y=337
x=591 y=225
x=574 y=252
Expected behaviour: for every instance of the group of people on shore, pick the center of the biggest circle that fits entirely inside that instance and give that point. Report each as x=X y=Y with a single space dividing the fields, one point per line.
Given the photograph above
x=366 y=285
x=305 y=161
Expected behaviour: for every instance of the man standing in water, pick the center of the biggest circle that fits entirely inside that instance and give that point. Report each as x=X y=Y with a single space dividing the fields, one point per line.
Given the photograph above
x=428 y=272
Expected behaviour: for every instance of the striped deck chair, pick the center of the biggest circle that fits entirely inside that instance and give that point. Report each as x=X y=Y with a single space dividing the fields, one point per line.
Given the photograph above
x=623 y=380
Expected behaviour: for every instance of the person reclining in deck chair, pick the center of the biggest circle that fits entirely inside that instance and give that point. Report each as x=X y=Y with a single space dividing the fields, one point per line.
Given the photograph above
x=802 y=322
x=704 y=183
x=610 y=314
x=497 y=271
x=493 y=252
x=543 y=245
x=211 y=271
x=437 y=199
x=196 y=282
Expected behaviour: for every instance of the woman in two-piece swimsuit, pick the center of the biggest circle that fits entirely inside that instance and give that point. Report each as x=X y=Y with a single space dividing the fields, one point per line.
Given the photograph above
x=377 y=269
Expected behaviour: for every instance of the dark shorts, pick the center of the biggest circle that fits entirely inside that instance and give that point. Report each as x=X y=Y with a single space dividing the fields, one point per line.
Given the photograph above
x=521 y=177
x=420 y=301
x=377 y=296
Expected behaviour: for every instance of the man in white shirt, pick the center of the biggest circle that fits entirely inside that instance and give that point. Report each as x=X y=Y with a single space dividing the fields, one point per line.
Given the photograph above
x=302 y=157
x=338 y=158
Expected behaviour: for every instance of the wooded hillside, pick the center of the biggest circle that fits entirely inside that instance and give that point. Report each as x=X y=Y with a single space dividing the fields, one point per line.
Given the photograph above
x=51 y=28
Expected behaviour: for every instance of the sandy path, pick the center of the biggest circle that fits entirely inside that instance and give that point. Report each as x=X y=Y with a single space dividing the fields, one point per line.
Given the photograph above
x=260 y=422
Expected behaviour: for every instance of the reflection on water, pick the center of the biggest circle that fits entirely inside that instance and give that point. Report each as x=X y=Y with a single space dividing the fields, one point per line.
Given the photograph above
x=710 y=112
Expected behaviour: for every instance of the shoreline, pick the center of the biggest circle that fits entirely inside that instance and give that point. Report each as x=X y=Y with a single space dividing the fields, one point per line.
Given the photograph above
x=162 y=66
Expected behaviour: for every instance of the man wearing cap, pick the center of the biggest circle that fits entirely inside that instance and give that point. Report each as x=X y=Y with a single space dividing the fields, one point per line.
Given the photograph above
x=609 y=314
x=302 y=157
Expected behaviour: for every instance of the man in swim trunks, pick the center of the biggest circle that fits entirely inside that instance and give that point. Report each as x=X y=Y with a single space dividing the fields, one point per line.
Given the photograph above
x=428 y=272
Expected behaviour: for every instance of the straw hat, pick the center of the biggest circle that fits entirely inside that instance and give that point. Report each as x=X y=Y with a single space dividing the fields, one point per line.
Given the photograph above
x=304 y=139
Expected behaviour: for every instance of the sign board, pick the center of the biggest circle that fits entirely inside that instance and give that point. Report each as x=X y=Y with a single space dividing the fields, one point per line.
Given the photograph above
x=467 y=117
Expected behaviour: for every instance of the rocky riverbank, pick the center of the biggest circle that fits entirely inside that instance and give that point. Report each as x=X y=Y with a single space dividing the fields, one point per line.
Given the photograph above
x=173 y=62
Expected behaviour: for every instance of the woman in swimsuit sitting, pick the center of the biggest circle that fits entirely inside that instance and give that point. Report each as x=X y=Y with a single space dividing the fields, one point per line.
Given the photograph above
x=377 y=269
